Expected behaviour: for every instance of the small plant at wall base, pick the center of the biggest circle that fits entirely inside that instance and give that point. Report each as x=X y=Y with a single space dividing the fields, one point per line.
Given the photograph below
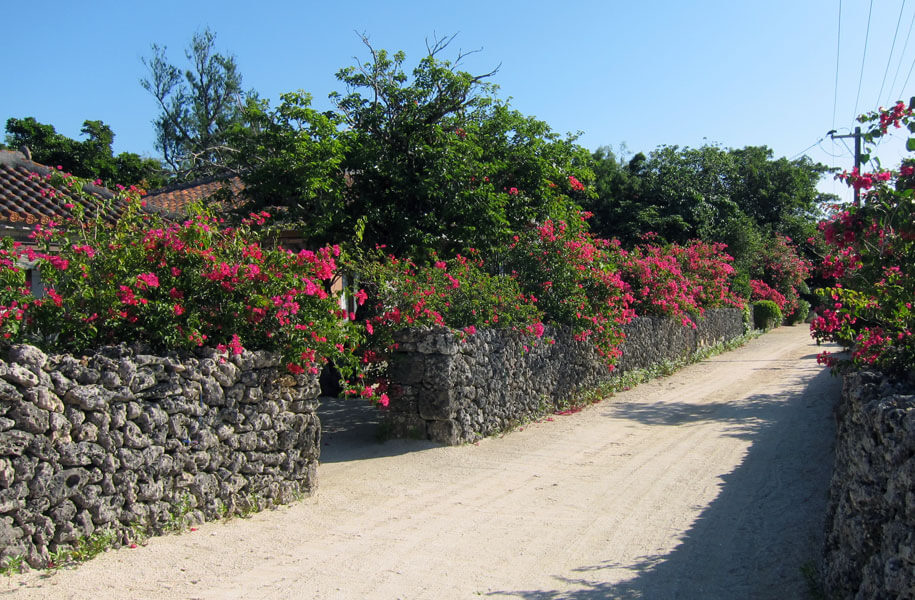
x=800 y=314
x=12 y=565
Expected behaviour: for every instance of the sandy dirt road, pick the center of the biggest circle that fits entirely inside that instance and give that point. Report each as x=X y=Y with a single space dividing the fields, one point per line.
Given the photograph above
x=707 y=484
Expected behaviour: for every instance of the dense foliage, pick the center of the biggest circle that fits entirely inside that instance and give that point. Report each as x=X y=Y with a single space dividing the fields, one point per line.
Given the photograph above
x=872 y=260
x=739 y=197
x=174 y=285
x=422 y=161
x=451 y=208
x=92 y=157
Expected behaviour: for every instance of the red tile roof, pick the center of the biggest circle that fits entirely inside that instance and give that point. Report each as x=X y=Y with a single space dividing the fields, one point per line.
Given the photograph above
x=24 y=197
x=176 y=198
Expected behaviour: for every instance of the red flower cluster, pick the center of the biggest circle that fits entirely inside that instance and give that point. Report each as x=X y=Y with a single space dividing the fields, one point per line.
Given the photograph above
x=871 y=259
x=679 y=281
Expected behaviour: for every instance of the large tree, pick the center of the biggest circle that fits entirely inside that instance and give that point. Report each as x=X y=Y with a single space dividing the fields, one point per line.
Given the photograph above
x=197 y=107
x=291 y=158
x=92 y=157
x=419 y=161
x=740 y=197
x=439 y=163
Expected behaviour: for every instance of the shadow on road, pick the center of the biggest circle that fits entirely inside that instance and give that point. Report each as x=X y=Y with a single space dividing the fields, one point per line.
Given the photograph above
x=352 y=429
x=767 y=520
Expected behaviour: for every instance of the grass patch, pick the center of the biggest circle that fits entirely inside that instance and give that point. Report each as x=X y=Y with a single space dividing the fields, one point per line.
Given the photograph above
x=85 y=548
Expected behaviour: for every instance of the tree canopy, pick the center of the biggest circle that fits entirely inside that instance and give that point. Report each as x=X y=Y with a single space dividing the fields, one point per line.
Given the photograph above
x=419 y=162
x=92 y=157
x=740 y=197
x=197 y=106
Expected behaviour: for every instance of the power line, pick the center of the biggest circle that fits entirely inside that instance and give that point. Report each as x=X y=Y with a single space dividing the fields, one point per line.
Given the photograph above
x=835 y=97
x=890 y=59
x=832 y=154
x=902 y=91
x=863 y=57
x=905 y=46
x=850 y=151
x=808 y=148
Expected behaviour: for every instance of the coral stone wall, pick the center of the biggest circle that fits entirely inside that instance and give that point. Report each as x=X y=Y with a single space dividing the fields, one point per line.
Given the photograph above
x=454 y=391
x=122 y=438
x=870 y=523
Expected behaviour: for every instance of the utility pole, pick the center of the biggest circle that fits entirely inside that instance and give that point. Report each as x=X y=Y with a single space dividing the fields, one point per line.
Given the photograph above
x=857 y=136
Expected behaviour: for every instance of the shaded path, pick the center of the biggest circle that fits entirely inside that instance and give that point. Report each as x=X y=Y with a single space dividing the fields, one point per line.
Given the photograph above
x=710 y=483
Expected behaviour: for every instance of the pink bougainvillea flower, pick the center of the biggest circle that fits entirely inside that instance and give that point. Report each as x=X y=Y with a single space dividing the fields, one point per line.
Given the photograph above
x=147 y=279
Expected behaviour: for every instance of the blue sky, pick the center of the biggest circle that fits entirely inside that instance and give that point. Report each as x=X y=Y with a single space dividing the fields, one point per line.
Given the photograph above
x=735 y=73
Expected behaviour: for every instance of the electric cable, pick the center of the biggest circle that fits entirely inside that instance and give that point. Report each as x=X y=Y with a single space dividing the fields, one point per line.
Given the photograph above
x=902 y=91
x=905 y=47
x=828 y=153
x=835 y=97
x=867 y=35
x=798 y=155
x=890 y=59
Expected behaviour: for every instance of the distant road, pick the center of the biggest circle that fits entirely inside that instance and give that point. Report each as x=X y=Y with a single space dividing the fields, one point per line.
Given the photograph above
x=707 y=484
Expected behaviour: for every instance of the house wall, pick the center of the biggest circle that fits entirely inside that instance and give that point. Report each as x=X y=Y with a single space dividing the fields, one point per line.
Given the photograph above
x=122 y=439
x=455 y=391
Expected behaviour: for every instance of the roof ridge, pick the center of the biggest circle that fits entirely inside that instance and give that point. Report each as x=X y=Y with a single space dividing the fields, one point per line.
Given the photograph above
x=181 y=185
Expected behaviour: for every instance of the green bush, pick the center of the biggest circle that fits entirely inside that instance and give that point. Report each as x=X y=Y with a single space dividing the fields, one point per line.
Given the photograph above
x=800 y=313
x=766 y=315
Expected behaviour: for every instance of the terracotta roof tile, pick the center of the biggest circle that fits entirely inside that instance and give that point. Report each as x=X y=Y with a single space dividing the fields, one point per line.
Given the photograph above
x=26 y=198
x=176 y=198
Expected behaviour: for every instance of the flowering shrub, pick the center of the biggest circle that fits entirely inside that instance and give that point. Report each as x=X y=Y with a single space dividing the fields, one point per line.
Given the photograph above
x=456 y=293
x=574 y=279
x=760 y=290
x=15 y=298
x=679 y=281
x=872 y=259
x=783 y=272
x=178 y=286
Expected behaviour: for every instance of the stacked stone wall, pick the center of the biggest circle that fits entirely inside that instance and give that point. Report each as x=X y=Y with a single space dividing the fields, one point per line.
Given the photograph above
x=455 y=390
x=123 y=439
x=870 y=524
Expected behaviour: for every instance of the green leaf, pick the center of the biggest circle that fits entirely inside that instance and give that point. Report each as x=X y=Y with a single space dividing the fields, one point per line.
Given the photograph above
x=910 y=144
